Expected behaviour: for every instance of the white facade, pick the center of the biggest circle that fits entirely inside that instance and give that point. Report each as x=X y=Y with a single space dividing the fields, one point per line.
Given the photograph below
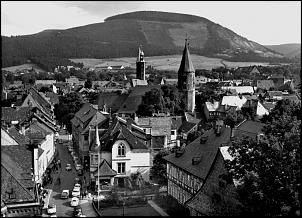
x=261 y=110
x=134 y=160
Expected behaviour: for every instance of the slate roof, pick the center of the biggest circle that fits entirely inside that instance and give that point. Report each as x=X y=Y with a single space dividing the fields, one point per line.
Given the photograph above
x=85 y=113
x=18 y=137
x=293 y=98
x=187 y=126
x=36 y=132
x=11 y=182
x=98 y=119
x=249 y=128
x=18 y=160
x=40 y=100
x=265 y=84
x=186 y=64
x=105 y=169
x=118 y=131
x=53 y=97
x=134 y=99
x=206 y=151
x=15 y=114
x=112 y=100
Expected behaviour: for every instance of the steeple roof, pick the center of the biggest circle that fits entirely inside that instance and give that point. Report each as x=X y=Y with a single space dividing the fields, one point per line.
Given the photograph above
x=186 y=64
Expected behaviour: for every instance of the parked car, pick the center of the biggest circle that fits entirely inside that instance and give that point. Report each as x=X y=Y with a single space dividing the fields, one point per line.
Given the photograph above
x=74 y=202
x=80 y=172
x=68 y=167
x=77 y=210
x=52 y=209
x=76 y=192
x=65 y=193
x=77 y=186
x=75 y=159
x=78 y=167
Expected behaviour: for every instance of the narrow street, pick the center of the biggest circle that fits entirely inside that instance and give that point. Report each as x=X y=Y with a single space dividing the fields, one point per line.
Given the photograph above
x=67 y=182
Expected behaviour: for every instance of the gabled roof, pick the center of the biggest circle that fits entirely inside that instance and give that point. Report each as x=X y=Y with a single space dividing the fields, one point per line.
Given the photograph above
x=265 y=84
x=134 y=99
x=85 y=113
x=97 y=120
x=268 y=105
x=249 y=128
x=116 y=131
x=274 y=93
x=191 y=118
x=186 y=64
x=112 y=100
x=158 y=142
x=18 y=159
x=40 y=100
x=36 y=132
x=206 y=152
x=232 y=100
x=105 y=169
x=176 y=122
x=139 y=82
x=212 y=106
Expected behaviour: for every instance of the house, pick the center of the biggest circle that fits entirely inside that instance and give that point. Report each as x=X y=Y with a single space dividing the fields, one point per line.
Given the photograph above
x=189 y=167
x=237 y=101
x=44 y=138
x=249 y=128
x=279 y=80
x=265 y=84
x=201 y=80
x=123 y=152
x=35 y=99
x=240 y=89
x=217 y=196
x=159 y=80
x=172 y=82
x=186 y=128
x=83 y=122
x=97 y=84
x=139 y=82
x=273 y=96
x=45 y=82
x=72 y=81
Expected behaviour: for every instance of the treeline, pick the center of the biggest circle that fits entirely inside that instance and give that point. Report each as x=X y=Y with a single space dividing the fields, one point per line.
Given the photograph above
x=50 y=63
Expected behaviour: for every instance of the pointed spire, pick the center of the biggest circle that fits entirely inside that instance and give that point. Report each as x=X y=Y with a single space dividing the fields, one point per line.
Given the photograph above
x=186 y=64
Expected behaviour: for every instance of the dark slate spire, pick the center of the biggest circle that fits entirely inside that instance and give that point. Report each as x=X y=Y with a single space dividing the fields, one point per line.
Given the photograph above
x=186 y=64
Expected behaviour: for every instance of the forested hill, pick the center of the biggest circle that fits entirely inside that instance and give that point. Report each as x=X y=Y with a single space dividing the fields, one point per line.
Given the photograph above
x=160 y=33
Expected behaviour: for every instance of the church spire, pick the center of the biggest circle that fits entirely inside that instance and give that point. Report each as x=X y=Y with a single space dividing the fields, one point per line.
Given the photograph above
x=186 y=64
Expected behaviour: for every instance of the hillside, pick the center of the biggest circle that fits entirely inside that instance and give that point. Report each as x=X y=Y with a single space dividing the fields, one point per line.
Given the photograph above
x=160 y=33
x=288 y=50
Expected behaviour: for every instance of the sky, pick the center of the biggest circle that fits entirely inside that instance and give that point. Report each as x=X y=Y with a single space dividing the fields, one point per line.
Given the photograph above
x=265 y=22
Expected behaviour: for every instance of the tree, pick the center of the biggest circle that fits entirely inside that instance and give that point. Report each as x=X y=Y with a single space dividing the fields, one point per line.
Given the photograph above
x=233 y=118
x=159 y=169
x=66 y=108
x=88 y=84
x=269 y=169
x=91 y=75
x=45 y=89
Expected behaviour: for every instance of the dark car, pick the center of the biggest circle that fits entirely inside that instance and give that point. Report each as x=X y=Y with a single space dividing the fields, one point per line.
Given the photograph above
x=80 y=172
x=77 y=210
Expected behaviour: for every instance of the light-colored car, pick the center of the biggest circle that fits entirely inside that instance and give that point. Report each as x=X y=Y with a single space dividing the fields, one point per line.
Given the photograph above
x=74 y=202
x=65 y=193
x=76 y=192
x=78 y=167
x=68 y=167
x=77 y=186
x=52 y=209
x=75 y=159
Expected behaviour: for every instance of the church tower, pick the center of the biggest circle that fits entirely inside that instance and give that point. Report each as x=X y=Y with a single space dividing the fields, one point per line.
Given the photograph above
x=140 y=65
x=186 y=78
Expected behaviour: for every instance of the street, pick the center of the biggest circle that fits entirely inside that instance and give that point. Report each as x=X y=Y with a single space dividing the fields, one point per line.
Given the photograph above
x=67 y=182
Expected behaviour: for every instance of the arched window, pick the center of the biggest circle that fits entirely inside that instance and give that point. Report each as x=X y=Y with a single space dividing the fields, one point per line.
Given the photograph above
x=121 y=150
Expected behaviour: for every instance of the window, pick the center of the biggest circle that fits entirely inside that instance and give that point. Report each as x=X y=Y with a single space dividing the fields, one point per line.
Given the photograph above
x=86 y=137
x=121 y=150
x=121 y=168
x=172 y=132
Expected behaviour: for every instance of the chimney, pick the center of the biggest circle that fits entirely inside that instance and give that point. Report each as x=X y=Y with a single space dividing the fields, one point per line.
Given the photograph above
x=203 y=139
x=196 y=160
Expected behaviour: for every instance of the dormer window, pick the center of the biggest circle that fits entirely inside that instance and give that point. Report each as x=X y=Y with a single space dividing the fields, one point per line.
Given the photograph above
x=121 y=150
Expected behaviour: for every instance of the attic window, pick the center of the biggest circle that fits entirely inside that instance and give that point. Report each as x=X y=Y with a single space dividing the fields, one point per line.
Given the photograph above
x=86 y=112
x=179 y=152
x=203 y=139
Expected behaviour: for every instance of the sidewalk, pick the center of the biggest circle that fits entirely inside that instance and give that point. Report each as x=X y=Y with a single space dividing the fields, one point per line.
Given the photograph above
x=87 y=208
x=157 y=208
x=46 y=200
